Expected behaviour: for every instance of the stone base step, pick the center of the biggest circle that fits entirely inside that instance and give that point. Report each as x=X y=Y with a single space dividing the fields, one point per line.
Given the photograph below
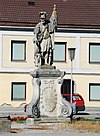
x=31 y=121
x=54 y=120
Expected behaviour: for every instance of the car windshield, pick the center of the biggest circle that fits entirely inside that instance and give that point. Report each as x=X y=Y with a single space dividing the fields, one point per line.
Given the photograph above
x=75 y=98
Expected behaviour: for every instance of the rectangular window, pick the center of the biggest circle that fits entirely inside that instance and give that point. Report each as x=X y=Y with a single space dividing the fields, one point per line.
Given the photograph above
x=94 y=52
x=18 y=50
x=60 y=52
x=18 y=91
x=94 y=92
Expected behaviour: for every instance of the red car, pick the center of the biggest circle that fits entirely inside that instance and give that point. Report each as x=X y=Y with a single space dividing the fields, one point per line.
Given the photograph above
x=76 y=98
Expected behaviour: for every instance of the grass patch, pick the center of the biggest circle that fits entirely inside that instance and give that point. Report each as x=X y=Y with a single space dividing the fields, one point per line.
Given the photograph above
x=95 y=120
x=82 y=125
x=20 y=121
x=86 y=124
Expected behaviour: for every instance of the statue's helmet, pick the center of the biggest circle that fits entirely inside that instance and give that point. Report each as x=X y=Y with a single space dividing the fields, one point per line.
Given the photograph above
x=43 y=15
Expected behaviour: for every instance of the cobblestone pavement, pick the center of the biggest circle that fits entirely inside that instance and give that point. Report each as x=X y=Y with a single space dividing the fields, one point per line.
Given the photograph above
x=54 y=130
x=26 y=131
x=49 y=133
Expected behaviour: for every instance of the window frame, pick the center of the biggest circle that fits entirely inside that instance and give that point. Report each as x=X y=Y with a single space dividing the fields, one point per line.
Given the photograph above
x=12 y=91
x=18 y=60
x=91 y=44
x=59 y=43
x=93 y=84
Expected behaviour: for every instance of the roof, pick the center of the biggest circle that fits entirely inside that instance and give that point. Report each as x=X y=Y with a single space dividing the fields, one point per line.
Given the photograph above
x=71 y=13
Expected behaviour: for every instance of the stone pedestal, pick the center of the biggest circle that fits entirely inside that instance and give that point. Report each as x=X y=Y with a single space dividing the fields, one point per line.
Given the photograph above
x=47 y=99
x=5 y=125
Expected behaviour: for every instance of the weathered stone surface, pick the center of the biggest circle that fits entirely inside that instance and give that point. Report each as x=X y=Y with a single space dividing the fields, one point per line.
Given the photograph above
x=47 y=67
x=5 y=125
x=47 y=99
x=30 y=121
x=47 y=72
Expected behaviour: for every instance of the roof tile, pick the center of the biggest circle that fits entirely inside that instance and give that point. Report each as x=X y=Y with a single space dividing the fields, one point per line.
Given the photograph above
x=70 y=12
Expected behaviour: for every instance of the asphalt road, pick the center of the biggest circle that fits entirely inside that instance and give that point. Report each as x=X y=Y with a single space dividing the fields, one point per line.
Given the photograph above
x=90 y=113
x=26 y=130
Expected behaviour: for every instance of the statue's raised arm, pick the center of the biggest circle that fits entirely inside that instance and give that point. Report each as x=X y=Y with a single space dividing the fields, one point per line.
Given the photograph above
x=53 y=25
x=44 y=38
x=53 y=19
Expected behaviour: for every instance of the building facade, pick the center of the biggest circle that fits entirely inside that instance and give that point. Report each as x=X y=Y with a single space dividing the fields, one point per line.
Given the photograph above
x=17 y=59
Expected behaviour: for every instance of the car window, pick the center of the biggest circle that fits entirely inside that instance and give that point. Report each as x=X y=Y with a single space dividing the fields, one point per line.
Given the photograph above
x=77 y=98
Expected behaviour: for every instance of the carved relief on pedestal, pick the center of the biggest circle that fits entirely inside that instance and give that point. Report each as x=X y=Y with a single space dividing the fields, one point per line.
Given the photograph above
x=49 y=96
x=47 y=99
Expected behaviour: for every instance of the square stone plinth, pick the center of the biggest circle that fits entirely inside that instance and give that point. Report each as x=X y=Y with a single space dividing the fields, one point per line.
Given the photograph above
x=5 y=125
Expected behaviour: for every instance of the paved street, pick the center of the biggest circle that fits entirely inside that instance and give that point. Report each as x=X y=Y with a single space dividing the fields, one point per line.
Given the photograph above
x=90 y=113
x=24 y=130
x=68 y=132
x=45 y=129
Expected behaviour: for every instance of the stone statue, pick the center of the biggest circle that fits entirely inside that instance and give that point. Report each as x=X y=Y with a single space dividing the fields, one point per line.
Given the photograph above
x=47 y=100
x=44 y=38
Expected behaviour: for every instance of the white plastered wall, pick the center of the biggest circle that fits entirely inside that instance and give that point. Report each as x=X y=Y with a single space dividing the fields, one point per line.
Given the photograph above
x=5 y=88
